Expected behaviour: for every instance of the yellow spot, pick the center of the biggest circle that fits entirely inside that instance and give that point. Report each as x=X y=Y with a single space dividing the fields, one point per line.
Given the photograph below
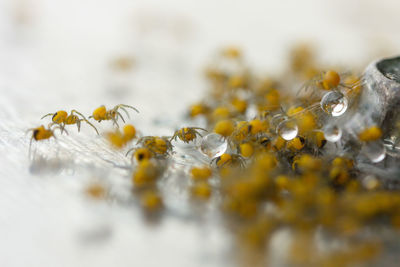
x=201 y=173
x=99 y=113
x=224 y=159
x=370 y=134
x=116 y=139
x=96 y=191
x=197 y=109
x=237 y=81
x=296 y=143
x=294 y=110
x=232 y=52
x=256 y=126
x=221 y=113
x=224 y=128
x=266 y=161
x=246 y=150
x=331 y=79
x=279 y=143
x=201 y=190
x=142 y=154
x=282 y=181
x=145 y=174
x=272 y=99
x=239 y=105
x=129 y=132
x=151 y=200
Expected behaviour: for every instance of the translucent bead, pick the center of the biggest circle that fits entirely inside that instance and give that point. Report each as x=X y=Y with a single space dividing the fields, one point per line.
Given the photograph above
x=287 y=129
x=251 y=112
x=334 y=103
x=375 y=151
x=332 y=133
x=370 y=182
x=213 y=145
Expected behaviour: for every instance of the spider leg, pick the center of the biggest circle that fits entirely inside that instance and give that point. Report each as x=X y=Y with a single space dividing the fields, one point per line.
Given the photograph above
x=80 y=114
x=91 y=117
x=308 y=84
x=173 y=137
x=122 y=118
x=61 y=128
x=139 y=140
x=226 y=163
x=199 y=128
x=30 y=129
x=115 y=122
x=50 y=114
x=78 y=124
x=129 y=151
x=127 y=106
x=241 y=161
x=304 y=87
x=311 y=107
x=197 y=133
x=126 y=112
x=242 y=164
x=30 y=145
x=90 y=125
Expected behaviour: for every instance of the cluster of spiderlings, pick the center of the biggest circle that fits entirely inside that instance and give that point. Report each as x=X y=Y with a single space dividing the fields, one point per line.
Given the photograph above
x=289 y=162
x=273 y=155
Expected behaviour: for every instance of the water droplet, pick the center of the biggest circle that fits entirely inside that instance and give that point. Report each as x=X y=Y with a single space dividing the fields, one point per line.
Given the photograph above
x=287 y=129
x=213 y=145
x=370 y=182
x=332 y=133
x=251 y=112
x=334 y=103
x=375 y=151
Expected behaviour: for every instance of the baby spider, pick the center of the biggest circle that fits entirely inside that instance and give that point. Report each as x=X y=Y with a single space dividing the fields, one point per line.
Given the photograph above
x=41 y=133
x=102 y=114
x=229 y=159
x=187 y=134
x=329 y=80
x=156 y=144
x=62 y=118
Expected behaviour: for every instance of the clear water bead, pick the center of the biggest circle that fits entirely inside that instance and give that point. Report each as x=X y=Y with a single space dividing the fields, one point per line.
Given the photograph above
x=332 y=133
x=370 y=182
x=287 y=129
x=334 y=103
x=213 y=145
x=375 y=151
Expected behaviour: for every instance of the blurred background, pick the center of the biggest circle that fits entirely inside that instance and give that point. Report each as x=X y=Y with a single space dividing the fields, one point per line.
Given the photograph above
x=149 y=54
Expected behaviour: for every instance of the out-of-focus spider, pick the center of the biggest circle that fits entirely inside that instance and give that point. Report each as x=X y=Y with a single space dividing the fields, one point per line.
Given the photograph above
x=187 y=134
x=41 y=133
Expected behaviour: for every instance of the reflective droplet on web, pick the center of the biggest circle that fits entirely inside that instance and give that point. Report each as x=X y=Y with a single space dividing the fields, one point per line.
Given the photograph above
x=213 y=145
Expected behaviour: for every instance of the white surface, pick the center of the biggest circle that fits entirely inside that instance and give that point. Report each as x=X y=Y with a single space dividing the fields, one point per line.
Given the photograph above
x=58 y=60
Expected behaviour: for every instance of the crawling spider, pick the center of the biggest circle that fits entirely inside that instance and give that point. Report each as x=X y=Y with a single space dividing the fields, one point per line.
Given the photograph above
x=187 y=134
x=41 y=133
x=102 y=114
x=62 y=118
